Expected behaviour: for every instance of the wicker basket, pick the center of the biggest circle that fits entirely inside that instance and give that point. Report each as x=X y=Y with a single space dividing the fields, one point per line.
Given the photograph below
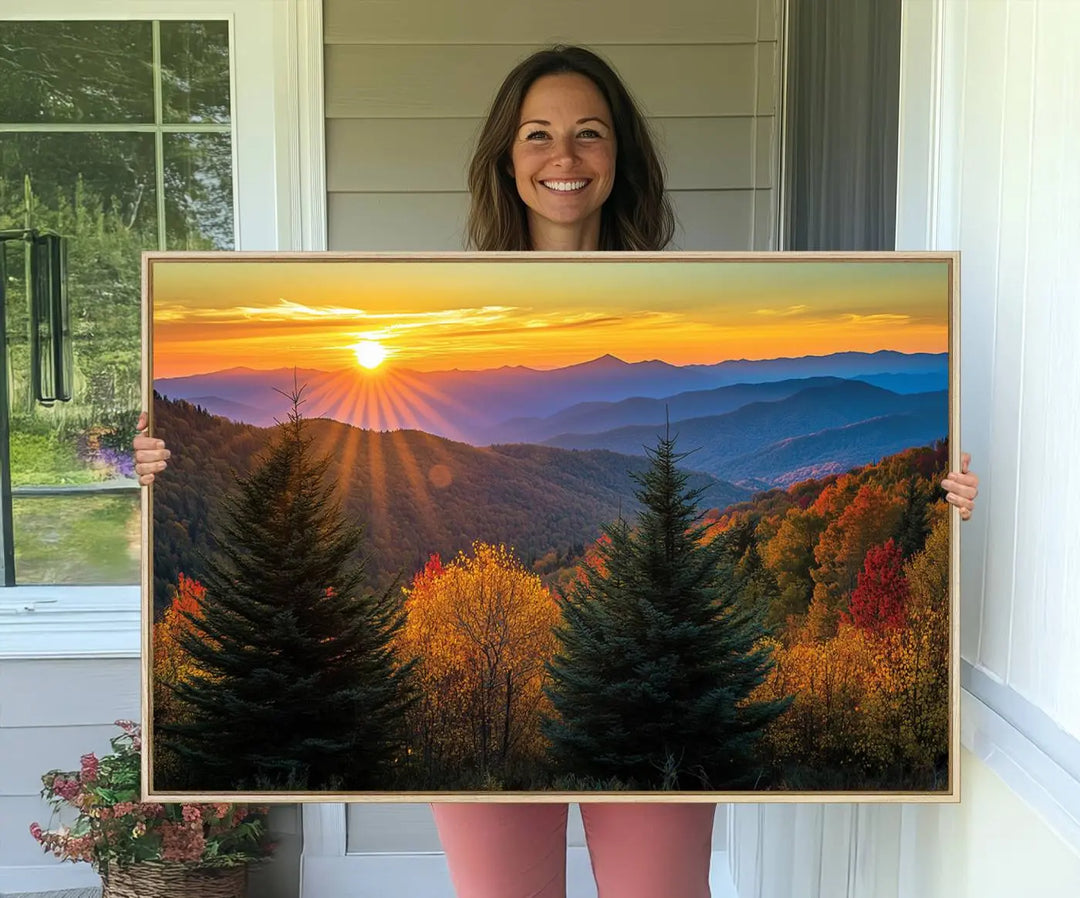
x=161 y=879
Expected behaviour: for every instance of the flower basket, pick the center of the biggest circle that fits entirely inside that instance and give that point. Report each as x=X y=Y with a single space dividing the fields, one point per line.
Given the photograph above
x=146 y=849
x=164 y=879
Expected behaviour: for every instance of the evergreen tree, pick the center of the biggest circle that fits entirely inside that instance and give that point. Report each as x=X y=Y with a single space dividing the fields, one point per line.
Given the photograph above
x=655 y=665
x=299 y=685
x=914 y=525
x=744 y=580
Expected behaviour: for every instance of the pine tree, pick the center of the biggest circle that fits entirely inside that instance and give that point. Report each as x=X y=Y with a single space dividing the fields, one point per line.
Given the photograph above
x=299 y=684
x=914 y=524
x=651 y=680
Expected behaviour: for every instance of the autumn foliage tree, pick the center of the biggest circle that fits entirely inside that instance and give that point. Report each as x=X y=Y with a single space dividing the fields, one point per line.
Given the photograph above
x=879 y=601
x=652 y=678
x=299 y=685
x=871 y=706
x=172 y=665
x=870 y=518
x=481 y=627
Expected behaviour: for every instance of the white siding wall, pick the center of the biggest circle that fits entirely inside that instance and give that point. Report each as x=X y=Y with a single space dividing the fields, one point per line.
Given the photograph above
x=52 y=712
x=990 y=135
x=407 y=87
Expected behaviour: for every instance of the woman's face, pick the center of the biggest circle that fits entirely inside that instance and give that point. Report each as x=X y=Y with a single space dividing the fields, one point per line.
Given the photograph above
x=563 y=159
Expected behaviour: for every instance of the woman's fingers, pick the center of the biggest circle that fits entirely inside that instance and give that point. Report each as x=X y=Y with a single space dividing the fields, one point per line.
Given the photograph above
x=150 y=453
x=963 y=485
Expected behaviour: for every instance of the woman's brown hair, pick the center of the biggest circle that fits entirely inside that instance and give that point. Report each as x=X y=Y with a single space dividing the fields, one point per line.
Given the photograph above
x=637 y=214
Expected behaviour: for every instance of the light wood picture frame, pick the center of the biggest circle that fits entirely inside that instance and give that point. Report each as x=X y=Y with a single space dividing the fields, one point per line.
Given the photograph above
x=547 y=527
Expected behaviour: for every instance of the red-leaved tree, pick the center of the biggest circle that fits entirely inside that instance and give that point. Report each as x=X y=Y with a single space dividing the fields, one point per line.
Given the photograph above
x=879 y=601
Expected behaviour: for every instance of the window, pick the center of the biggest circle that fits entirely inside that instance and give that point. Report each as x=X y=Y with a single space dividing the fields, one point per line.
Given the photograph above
x=117 y=135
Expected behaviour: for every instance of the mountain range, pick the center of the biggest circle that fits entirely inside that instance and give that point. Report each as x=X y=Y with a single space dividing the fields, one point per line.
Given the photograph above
x=770 y=442
x=414 y=493
x=507 y=404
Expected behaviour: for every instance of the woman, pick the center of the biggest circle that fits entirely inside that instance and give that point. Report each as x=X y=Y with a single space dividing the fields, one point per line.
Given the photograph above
x=565 y=163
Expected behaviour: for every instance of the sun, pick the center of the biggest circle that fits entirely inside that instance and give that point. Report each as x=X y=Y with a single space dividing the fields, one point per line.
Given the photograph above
x=370 y=353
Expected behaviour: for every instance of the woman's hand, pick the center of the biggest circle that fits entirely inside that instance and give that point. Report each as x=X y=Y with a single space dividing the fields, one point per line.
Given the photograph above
x=150 y=453
x=961 y=487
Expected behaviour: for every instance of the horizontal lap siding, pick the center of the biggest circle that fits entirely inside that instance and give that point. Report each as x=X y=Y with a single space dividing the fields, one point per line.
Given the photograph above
x=529 y=23
x=406 y=93
x=51 y=713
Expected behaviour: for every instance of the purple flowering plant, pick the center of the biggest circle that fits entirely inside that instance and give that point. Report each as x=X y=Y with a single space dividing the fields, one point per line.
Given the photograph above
x=113 y=826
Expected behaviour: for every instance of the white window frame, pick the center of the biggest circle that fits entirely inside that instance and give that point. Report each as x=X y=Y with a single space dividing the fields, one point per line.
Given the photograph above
x=279 y=187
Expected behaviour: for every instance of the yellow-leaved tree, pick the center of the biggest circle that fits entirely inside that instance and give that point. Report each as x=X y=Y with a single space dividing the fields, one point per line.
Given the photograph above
x=481 y=627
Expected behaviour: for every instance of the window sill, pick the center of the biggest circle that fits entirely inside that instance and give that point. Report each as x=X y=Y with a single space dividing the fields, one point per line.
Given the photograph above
x=70 y=622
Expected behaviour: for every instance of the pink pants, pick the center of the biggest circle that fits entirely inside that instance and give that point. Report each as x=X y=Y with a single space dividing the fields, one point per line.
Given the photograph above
x=644 y=850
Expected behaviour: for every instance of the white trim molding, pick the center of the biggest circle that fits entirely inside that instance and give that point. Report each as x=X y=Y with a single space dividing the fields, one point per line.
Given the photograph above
x=304 y=71
x=1038 y=760
x=69 y=622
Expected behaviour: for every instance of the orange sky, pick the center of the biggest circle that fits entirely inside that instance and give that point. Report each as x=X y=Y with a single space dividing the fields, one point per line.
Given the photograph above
x=434 y=315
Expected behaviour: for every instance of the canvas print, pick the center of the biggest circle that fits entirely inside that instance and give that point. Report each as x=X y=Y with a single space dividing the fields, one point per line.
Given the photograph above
x=609 y=526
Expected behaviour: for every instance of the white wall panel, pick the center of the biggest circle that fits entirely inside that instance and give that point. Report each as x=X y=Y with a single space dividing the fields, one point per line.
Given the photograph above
x=978 y=239
x=28 y=752
x=1017 y=177
x=713 y=220
x=1045 y=652
x=417 y=222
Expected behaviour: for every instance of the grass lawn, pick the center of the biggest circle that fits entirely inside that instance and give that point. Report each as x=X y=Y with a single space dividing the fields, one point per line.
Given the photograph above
x=83 y=539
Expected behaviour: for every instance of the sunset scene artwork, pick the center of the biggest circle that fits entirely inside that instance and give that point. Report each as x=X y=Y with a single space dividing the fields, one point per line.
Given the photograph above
x=524 y=526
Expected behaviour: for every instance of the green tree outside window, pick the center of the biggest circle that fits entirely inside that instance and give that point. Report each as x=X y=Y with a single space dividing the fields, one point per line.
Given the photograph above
x=117 y=135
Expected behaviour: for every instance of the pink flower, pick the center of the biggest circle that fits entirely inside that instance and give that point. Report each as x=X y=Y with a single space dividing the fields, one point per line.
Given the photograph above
x=123 y=808
x=89 y=768
x=180 y=842
x=66 y=788
x=35 y=831
x=191 y=813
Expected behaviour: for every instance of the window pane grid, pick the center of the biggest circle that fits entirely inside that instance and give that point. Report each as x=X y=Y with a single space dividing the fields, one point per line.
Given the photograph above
x=174 y=94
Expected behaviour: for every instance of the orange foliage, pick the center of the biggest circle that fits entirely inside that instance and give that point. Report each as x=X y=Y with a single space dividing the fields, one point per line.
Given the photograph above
x=171 y=663
x=169 y=656
x=871 y=699
x=481 y=627
x=869 y=519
